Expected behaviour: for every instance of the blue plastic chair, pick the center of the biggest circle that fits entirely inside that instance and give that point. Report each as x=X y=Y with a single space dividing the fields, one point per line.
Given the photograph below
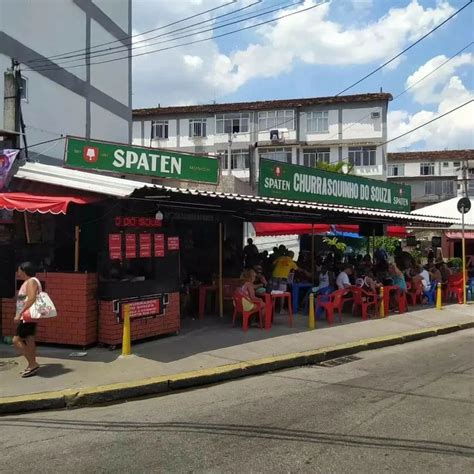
x=470 y=289
x=431 y=293
x=323 y=291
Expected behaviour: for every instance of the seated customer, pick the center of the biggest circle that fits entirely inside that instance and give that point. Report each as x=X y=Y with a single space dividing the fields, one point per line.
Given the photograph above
x=397 y=277
x=366 y=282
x=342 y=280
x=260 y=283
x=248 y=290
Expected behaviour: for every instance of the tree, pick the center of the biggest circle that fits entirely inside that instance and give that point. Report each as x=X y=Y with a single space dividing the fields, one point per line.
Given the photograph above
x=334 y=243
x=335 y=167
x=390 y=244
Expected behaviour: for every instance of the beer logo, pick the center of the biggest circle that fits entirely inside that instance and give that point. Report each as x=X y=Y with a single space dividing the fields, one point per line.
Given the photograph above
x=278 y=171
x=90 y=154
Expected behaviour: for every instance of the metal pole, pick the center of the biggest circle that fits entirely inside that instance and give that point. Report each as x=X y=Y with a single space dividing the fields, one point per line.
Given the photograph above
x=464 y=269
x=229 y=155
x=312 y=253
x=221 y=285
x=77 y=231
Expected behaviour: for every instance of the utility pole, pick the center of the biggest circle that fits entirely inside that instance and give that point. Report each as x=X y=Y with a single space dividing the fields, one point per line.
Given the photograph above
x=11 y=103
x=464 y=169
x=229 y=155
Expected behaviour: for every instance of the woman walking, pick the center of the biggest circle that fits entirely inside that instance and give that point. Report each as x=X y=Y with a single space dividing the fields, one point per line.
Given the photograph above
x=24 y=340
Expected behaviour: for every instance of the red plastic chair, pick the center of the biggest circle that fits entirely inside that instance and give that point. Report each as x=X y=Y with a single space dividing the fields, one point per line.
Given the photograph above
x=415 y=293
x=365 y=300
x=454 y=288
x=329 y=303
x=246 y=315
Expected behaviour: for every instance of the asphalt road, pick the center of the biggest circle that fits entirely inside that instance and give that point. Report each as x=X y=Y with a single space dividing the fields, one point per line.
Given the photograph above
x=402 y=409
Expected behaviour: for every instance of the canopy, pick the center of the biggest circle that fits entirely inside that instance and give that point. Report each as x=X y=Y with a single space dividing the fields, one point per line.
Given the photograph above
x=40 y=203
x=458 y=235
x=281 y=228
x=446 y=208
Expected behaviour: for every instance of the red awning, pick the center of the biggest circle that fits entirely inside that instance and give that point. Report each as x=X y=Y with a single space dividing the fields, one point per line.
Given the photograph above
x=40 y=203
x=458 y=235
x=281 y=228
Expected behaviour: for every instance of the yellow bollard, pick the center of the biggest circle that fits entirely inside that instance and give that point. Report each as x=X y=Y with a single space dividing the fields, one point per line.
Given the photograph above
x=439 y=302
x=311 y=318
x=382 y=304
x=127 y=336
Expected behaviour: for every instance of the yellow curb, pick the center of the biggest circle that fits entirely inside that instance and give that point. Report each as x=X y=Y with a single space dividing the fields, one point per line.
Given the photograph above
x=168 y=383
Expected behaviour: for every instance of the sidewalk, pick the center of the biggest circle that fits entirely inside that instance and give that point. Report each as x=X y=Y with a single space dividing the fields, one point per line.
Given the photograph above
x=212 y=344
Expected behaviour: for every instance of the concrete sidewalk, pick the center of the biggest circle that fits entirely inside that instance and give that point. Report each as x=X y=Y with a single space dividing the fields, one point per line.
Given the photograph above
x=213 y=345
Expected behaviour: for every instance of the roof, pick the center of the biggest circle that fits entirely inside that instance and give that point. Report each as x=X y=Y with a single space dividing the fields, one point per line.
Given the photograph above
x=437 y=155
x=244 y=206
x=261 y=105
x=446 y=208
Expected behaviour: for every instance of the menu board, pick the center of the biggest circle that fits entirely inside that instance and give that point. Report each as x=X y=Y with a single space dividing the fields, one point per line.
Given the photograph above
x=145 y=245
x=173 y=243
x=115 y=246
x=130 y=246
x=159 y=245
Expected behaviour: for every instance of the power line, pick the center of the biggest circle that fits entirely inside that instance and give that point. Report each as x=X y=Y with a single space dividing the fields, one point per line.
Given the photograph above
x=84 y=50
x=427 y=123
x=191 y=42
x=408 y=88
x=187 y=35
x=123 y=48
x=405 y=50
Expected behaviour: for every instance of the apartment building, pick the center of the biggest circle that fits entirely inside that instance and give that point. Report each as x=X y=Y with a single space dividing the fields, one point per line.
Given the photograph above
x=349 y=128
x=434 y=176
x=67 y=95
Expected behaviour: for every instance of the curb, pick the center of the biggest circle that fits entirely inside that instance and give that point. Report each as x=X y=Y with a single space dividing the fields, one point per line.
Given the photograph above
x=169 y=383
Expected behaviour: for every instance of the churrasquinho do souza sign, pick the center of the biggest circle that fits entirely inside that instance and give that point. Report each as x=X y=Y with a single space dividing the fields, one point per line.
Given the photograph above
x=300 y=183
x=134 y=160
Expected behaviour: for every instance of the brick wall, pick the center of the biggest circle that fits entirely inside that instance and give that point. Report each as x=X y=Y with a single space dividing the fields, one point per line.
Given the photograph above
x=75 y=298
x=110 y=331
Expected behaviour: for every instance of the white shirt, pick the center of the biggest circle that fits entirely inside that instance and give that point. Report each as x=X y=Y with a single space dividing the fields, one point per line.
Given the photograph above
x=426 y=278
x=342 y=280
x=323 y=280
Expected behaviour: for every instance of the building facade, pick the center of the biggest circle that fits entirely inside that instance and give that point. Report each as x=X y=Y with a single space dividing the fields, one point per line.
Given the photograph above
x=299 y=131
x=56 y=97
x=434 y=176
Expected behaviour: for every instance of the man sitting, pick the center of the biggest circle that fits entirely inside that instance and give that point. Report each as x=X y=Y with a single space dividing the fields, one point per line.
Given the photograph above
x=342 y=280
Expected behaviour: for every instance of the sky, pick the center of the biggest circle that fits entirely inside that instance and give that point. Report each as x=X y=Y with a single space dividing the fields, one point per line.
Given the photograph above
x=317 y=52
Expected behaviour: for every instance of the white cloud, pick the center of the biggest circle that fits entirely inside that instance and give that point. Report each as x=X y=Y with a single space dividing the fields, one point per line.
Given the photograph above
x=310 y=37
x=450 y=132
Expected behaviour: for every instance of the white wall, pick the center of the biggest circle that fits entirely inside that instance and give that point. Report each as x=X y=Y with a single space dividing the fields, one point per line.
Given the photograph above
x=107 y=126
x=116 y=10
x=357 y=123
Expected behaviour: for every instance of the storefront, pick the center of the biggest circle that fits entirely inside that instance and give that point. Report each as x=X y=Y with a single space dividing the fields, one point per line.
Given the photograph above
x=122 y=240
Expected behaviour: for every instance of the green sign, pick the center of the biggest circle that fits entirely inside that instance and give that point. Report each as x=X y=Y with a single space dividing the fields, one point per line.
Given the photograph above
x=137 y=160
x=300 y=183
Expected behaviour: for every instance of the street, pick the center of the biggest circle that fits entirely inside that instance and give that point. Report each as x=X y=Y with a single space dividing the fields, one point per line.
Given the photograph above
x=406 y=408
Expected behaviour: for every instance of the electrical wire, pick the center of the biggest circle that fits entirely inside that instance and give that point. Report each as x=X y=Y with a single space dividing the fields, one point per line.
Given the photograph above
x=84 y=50
x=45 y=141
x=187 y=35
x=273 y=20
x=427 y=123
x=405 y=50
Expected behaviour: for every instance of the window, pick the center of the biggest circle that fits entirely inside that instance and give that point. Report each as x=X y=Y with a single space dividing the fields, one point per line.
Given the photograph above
x=427 y=169
x=311 y=156
x=276 y=119
x=457 y=164
x=318 y=122
x=232 y=123
x=197 y=128
x=277 y=154
x=396 y=170
x=240 y=159
x=439 y=188
x=24 y=89
x=446 y=164
x=159 y=129
x=362 y=155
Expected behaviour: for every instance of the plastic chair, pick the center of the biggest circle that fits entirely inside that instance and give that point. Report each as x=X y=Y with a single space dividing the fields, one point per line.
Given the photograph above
x=246 y=315
x=415 y=293
x=470 y=289
x=330 y=302
x=454 y=288
x=365 y=300
x=322 y=291
x=283 y=296
x=431 y=293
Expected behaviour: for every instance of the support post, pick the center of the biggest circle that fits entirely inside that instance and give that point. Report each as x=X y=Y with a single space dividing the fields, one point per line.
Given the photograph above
x=464 y=266
x=127 y=335
x=312 y=253
x=439 y=302
x=221 y=284
x=311 y=317
x=229 y=155
x=77 y=231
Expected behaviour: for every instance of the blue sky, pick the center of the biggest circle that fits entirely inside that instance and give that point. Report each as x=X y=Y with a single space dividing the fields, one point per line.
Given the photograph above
x=319 y=53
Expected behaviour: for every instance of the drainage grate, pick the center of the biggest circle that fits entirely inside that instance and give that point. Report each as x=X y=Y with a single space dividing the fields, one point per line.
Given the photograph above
x=339 y=361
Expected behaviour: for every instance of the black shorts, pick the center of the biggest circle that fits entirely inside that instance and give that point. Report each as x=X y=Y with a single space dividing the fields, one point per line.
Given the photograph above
x=25 y=330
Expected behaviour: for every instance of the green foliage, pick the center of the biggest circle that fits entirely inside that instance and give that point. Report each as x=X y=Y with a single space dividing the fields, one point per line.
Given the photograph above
x=390 y=244
x=417 y=256
x=456 y=262
x=335 y=167
x=335 y=244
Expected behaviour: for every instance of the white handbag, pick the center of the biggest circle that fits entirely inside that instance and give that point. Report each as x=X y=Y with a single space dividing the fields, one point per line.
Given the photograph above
x=43 y=307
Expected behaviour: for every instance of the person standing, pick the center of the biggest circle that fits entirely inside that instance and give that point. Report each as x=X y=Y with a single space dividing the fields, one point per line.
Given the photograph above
x=24 y=340
x=281 y=270
x=251 y=255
